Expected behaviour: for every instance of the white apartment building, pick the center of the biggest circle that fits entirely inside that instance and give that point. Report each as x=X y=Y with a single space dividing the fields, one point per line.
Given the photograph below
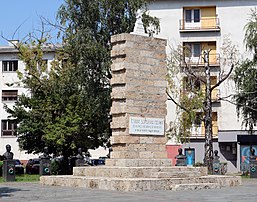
x=9 y=90
x=201 y=25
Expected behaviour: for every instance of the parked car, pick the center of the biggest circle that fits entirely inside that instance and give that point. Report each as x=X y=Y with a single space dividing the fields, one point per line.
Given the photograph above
x=19 y=169
x=32 y=166
x=97 y=162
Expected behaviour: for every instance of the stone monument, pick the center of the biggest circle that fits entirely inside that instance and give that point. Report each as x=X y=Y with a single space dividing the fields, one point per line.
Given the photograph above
x=181 y=158
x=139 y=26
x=8 y=165
x=79 y=158
x=138 y=101
x=216 y=163
x=8 y=155
x=45 y=163
x=138 y=160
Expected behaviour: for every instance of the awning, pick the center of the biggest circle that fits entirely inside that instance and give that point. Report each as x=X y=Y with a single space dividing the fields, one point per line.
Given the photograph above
x=247 y=139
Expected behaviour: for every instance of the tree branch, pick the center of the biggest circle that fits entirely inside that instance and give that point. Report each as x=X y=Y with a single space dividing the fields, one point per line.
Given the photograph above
x=229 y=101
x=224 y=78
x=176 y=103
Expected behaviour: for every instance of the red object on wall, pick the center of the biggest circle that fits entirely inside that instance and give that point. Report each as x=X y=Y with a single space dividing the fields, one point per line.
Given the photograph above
x=172 y=151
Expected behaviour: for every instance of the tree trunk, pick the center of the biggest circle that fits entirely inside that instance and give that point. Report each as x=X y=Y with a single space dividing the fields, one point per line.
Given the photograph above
x=208 y=155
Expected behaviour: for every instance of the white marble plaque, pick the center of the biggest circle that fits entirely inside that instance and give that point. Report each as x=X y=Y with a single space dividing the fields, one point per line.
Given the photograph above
x=146 y=126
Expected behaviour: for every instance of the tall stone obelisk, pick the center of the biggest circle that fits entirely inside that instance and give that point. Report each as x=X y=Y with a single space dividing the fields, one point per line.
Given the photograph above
x=138 y=100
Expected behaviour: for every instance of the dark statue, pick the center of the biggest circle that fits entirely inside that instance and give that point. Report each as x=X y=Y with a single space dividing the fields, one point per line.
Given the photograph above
x=216 y=163
x=45 y=163
x=45 y=154
x=216 y=157
x=79 y=158
x=8 y=155
x=80 y=155
x=8 y=165
x=181 y=158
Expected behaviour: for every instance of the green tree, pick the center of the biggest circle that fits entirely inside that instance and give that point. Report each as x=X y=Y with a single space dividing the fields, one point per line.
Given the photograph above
x=68 y=105
x=246 y=77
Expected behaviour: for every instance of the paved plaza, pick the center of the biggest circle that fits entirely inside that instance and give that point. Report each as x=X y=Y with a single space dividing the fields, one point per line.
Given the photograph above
x=17 y=191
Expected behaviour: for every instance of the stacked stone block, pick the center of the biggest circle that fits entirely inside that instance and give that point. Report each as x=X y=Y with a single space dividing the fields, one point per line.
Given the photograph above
x=138 y=90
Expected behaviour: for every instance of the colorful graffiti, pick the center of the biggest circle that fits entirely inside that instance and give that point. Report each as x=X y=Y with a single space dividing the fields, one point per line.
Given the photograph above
x=244 y=156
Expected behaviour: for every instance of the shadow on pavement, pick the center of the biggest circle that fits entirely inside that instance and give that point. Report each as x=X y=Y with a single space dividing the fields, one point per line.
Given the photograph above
x=6 y=191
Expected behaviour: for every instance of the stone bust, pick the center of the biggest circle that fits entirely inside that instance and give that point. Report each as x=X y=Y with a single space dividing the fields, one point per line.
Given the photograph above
x=181 y=159
x=45 y=154
x=80 y=155
x=216 y=154
x=8 y=155
x=216 y=157
x=80 y=158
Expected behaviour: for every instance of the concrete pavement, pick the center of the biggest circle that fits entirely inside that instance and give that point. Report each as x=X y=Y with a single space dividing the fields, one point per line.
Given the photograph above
x=18 y=191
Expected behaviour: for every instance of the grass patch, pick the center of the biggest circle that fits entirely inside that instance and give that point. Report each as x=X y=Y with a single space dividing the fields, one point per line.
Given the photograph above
x=24 y=178
x=245 y=176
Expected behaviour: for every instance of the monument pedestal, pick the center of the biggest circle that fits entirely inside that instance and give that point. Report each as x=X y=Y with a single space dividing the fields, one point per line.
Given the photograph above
x=253 y=167
x=118 y=178
x=9 y=170
x=45 y=166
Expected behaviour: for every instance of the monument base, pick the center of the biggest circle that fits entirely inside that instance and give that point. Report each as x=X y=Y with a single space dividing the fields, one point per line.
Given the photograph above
x=9 y=170
x=141 y=178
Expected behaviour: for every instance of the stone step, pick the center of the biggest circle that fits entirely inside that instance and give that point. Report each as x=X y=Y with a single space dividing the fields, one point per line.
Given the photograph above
x=140 y=184
x=196 y=186
x=138 y=162
x=143 y=172
x=178 y=174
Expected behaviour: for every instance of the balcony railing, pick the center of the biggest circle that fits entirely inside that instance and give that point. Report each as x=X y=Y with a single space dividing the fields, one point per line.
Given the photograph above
x=205 y=24
x=215 y=94
x=214 y=60
x=199 y=131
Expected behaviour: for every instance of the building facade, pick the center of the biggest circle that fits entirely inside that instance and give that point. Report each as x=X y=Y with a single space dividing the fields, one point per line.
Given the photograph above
x=201 y=25
x=9 y=90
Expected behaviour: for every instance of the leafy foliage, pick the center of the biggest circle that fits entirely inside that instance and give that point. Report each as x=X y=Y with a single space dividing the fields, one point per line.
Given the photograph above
x=251 y=33
x=185 y=92
x=246 y=77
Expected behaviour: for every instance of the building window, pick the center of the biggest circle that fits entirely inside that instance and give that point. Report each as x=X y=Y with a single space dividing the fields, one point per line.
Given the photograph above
x=10 y=66
x=192 y=15
x=198 y=128
x=193 y=49
x=9 y=127
x=196 y=49
x=9 y=95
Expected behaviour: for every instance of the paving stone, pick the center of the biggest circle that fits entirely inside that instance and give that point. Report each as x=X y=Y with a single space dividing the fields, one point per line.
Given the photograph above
x=20 y=191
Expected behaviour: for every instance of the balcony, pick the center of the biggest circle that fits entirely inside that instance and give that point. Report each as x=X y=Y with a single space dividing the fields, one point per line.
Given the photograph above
x=199 y=132
x=202 y=25
x=214 y=61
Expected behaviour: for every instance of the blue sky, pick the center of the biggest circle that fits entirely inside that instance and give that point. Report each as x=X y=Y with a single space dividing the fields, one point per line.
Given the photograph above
x=20 y=17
